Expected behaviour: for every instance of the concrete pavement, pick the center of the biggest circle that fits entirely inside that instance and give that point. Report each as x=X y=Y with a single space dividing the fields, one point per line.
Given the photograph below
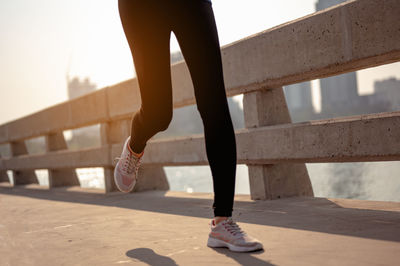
x=79 y=227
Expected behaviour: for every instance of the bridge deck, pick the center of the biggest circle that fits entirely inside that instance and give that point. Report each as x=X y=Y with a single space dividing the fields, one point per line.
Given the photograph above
x=74 y=227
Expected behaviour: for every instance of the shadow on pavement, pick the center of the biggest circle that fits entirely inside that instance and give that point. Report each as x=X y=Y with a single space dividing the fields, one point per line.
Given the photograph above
x=148 y=256
x=313 y=214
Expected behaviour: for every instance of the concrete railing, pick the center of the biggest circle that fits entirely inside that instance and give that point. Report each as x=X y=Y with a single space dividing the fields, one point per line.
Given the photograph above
x=348 y=37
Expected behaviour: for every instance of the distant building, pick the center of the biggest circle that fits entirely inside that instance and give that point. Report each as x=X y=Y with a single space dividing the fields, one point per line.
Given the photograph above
x=77 y=88
x=338 y=90
x=87 y=136
x=299 y=100
x=322 y=4
x=298 y=96
x=388 y=91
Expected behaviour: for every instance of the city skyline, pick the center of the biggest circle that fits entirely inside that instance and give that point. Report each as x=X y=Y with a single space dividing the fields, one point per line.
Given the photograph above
x=43 y=39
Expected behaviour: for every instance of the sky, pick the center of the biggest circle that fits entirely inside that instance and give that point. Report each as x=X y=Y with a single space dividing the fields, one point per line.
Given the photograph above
x=43 y=41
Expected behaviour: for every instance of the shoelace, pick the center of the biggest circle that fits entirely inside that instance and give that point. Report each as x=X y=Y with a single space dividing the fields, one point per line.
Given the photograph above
x=130 y=163
x=233 y=228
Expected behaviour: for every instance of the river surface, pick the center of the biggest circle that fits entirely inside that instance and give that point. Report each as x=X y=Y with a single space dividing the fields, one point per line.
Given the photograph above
x=369 y=181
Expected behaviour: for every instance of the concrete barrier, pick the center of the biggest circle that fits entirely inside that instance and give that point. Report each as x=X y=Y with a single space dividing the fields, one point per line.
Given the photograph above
x=345 y=38
x=374 y=137
x=351 y=36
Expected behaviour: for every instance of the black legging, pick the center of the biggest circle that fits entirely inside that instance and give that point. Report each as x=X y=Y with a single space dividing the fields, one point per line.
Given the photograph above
x=148 y=25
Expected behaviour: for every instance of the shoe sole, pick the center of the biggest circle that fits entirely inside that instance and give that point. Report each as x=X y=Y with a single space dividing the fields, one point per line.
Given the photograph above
x=216 y=243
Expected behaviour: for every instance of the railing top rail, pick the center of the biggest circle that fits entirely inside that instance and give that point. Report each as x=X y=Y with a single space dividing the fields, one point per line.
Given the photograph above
x=331 y=140
x=345 y=38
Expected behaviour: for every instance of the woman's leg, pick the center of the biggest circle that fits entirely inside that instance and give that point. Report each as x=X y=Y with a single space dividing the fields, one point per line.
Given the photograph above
x=195 y=29
x=148 y=35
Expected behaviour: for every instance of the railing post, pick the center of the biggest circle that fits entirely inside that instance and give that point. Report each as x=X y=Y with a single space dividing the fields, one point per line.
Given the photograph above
x=150 y=177
x=272 y=181
x=59 y=177
x=3 y=174
x=21 y=177
x=112 y=133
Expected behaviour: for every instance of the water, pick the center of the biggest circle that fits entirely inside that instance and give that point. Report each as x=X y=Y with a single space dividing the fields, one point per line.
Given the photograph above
x=368 y=181
x=199 y=179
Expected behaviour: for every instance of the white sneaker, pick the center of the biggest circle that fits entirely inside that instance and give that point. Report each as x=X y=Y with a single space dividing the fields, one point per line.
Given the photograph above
x=127 y=168
x=228 y=234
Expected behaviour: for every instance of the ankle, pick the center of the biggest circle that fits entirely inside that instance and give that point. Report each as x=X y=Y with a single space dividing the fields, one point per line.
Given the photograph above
x=136 y=154
x=219 y=219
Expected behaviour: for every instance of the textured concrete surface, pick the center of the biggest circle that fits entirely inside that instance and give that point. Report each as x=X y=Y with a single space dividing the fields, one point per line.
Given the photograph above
x=60 y=227
x=372 y=137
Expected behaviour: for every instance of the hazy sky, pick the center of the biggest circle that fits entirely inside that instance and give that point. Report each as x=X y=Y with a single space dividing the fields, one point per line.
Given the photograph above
x=42 y=40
